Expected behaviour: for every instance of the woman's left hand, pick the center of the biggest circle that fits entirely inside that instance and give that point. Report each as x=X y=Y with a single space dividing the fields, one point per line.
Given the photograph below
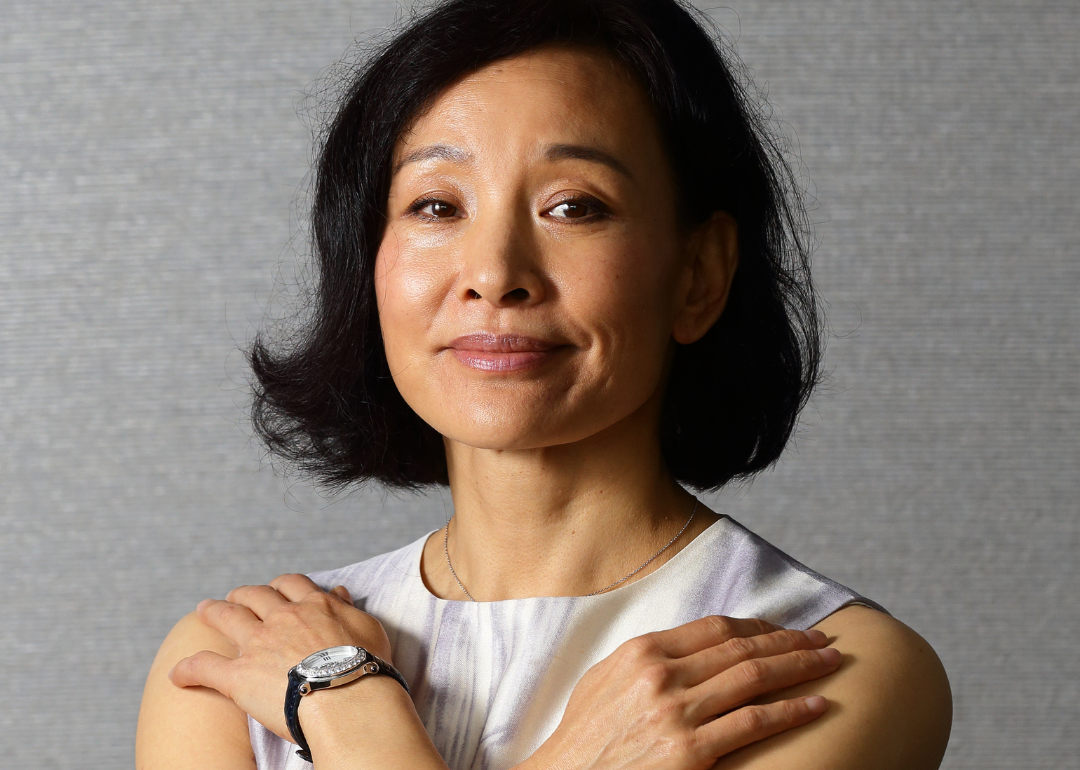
x=274 y=627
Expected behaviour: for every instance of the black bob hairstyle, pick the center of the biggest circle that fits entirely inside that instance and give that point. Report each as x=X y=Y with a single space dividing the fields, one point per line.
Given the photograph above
x=325 y=401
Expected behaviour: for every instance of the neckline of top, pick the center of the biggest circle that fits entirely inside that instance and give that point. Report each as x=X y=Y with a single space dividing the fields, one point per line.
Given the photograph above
x=694 y=545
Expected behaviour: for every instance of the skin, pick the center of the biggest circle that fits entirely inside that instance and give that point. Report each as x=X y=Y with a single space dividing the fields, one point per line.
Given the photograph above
x=494 y=228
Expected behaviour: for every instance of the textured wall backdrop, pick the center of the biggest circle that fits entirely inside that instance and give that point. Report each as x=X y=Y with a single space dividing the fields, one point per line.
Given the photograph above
x=150 y=158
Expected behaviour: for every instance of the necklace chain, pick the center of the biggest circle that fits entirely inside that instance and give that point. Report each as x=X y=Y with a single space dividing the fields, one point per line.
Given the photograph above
x=446 y=550
x=646 y=563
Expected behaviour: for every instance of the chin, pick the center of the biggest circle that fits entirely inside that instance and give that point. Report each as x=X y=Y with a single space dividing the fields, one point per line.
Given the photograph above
x=484 y=430
x=522 y=428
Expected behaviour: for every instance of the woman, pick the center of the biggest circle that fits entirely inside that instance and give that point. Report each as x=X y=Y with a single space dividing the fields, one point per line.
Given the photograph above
x=561 y=271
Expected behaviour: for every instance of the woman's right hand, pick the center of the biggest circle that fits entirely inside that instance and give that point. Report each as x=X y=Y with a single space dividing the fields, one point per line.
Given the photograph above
x=677 y=699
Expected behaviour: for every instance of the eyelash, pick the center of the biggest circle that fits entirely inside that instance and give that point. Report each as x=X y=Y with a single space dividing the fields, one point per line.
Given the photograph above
x=414 y=209
x=600 y=211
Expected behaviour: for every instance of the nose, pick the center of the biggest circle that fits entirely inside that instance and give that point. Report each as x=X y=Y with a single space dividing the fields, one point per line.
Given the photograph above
x=500 y=265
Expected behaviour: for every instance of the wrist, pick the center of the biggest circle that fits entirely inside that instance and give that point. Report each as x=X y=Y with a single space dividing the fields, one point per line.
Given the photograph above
x=328 y=714
x=369 y=723
x=555 y=753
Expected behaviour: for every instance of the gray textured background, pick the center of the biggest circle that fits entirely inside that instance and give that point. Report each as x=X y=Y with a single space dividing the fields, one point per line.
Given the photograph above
x=150 y=158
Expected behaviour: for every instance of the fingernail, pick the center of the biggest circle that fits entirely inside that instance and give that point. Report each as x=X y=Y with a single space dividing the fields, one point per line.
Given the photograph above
x=816 y=704
x=200 y=605
x=170 y=673
x=816 y=637
x=830 y=655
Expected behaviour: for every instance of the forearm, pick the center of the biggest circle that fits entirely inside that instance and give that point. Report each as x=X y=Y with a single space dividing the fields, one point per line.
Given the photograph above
x=370 y=724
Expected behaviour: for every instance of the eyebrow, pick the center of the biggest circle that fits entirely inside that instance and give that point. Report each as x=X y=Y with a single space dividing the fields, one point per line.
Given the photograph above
x=583 y=152
x=553 y=152
x=439 y=151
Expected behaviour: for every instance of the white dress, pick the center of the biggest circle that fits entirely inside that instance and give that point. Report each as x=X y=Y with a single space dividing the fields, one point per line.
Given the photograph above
x=490 y=680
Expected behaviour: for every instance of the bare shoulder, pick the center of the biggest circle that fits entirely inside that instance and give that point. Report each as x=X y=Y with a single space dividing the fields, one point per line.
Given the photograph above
x=190 y=727
x=890 y=705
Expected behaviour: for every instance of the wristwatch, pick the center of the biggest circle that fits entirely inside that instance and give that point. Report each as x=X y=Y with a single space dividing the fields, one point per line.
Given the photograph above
x=331 y=667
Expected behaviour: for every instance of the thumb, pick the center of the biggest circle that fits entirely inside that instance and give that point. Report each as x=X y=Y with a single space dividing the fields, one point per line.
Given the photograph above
x=206 y=669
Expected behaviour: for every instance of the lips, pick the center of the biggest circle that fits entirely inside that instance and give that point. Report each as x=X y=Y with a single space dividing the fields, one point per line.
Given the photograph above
x=502 y=352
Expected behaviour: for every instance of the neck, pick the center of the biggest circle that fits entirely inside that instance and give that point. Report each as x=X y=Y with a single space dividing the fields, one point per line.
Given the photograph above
x=564 y=520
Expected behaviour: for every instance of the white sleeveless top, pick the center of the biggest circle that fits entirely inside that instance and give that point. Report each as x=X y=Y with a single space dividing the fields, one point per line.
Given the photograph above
x=490 y=680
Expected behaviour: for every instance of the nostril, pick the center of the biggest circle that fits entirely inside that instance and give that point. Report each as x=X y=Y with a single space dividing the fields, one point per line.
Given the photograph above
x=473 y=294
x=517 y=295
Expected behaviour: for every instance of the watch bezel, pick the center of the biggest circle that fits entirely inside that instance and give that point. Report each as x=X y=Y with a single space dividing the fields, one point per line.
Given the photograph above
x=358 y=657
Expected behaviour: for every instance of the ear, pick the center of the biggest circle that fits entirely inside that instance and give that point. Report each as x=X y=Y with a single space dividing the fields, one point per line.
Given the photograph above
x=712 y=257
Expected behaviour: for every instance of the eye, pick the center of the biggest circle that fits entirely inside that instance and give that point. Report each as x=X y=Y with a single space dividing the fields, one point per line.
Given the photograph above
x=577 y=209
x=434 y=208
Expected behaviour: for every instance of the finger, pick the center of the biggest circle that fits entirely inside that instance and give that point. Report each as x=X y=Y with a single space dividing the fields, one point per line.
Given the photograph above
x=236 y=621
x=758 y=676
x=754 y=723
x=206 y=669
x=709 y=631
x=697 y=668
x=294 y=587
x=261 y=600
x=342 y=593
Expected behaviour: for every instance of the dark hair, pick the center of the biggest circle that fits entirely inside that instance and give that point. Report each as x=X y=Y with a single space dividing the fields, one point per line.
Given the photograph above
x=326 y=403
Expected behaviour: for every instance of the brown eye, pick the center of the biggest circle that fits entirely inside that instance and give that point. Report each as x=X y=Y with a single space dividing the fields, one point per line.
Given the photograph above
x=580 y=209
x=571 y=210
x=439 y=209
x=434 y=208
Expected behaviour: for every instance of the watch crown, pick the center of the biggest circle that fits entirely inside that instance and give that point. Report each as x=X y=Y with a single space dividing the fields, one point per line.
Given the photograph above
x=371 y=668
x=305 y=688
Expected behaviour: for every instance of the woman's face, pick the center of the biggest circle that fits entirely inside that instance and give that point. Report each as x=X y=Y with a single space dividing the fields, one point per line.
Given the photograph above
x=532 y=273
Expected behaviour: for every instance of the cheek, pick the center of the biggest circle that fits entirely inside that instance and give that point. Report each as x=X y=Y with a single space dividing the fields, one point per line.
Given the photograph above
x=626 y=290
x=409 y=291
x=622 y=293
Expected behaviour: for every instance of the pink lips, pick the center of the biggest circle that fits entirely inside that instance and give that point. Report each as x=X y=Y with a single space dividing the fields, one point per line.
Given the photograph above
x=501 y=352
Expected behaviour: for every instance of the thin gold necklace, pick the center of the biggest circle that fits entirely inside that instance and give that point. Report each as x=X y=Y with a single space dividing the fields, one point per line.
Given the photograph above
x=646 y=563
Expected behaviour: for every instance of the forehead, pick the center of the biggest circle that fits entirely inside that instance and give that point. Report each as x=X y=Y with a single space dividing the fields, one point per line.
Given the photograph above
x=550 y=94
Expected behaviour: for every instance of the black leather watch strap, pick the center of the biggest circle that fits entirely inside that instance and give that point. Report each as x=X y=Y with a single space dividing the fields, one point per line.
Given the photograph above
x=293 y=695
x=292 y=714
x=390 y=671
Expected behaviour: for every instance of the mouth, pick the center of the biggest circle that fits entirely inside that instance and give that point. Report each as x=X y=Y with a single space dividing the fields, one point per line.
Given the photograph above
x=502 y=352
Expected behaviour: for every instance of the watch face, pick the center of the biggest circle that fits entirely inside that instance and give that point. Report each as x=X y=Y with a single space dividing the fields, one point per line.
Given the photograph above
x=330 y=662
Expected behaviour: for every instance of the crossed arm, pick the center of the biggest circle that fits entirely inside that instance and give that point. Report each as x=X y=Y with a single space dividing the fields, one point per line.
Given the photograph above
x=720 y=693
